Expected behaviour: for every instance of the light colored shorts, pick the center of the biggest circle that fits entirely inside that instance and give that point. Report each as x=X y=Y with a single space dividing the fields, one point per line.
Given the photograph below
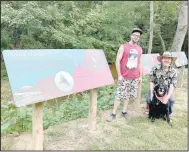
x=127 y=89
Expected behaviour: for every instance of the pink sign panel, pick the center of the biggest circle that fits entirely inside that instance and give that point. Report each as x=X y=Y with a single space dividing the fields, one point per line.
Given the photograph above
x=39 y=75
x=181 y=58
x=150 y=60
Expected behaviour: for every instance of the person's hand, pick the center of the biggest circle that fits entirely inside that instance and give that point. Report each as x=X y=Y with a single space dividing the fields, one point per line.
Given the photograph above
x=140 y=80
x=120 y=78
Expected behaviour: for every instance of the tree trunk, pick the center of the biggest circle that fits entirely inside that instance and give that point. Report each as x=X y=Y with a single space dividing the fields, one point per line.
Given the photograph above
x=151 y=26
x=181 y=28
x=180 y=35
x=162 y=41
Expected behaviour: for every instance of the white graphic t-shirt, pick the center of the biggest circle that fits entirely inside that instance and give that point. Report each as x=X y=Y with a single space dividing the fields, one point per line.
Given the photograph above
x=132 y=59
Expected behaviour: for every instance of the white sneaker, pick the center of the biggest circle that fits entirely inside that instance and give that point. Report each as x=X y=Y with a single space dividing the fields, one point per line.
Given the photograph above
x=146 y=112
x=171 y=117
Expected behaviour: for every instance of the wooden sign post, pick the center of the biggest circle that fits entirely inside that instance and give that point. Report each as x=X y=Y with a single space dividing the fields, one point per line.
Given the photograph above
x=52 y=73
x=92 y=109
x=138 y=100
x=37 y=126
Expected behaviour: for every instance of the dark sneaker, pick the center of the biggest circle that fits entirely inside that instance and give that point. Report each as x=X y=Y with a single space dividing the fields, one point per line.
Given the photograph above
x=111 y=117
x=170 y=117
x=123 y=114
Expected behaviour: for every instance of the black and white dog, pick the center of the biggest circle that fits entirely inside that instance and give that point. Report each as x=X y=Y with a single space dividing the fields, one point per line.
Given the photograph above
x=157 y=109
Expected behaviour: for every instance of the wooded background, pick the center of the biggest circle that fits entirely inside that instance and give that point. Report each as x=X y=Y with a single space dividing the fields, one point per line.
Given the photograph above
x=93 y=24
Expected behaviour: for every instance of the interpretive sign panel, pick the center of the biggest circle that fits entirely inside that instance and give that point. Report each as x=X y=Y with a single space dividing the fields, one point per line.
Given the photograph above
x=43 y=74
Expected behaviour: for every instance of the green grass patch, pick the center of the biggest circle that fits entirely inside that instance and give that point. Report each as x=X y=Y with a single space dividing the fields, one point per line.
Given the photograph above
x=4 y=75
x=141 y=134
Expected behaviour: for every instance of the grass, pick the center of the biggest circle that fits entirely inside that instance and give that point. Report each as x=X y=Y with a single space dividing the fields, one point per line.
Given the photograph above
x=65 y=123
x=135 y=134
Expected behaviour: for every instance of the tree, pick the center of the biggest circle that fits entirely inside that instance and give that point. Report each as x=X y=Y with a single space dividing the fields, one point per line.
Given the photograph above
x=165 y=21
x=151 y=26
x=180 y=35
x=70 y=24
x=157 y=30
x=181 y=27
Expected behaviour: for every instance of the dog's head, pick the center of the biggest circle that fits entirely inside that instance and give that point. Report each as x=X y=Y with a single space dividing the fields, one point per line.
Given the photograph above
x=160 y=90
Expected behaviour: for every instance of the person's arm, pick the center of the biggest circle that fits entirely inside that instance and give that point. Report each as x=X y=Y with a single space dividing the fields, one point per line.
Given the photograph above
x=140 y=68
x=151 y=88
x=171 y=89
x=118 y=59
x=173 y=84
x=140 y=65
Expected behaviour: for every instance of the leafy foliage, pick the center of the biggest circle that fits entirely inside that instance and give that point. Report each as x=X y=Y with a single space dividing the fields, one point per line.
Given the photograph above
x=20 y=119
x=68 y=24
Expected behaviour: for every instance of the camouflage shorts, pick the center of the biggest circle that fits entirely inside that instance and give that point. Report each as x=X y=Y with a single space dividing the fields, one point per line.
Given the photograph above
x=127 y=89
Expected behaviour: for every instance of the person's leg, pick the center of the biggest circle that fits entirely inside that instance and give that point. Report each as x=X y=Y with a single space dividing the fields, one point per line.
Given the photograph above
x=112 y=116
x=116 y=105
x=119 y=95
x=171 y=103
x=148 y=100
x=131 y=94
x=126 y=94
x=125 y=105
x=125 y=108
x=118 y=98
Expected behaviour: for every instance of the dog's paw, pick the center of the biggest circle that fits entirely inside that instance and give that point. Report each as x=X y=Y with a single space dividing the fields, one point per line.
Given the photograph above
x=164 y=118
x=171 y=124
x=153 y=119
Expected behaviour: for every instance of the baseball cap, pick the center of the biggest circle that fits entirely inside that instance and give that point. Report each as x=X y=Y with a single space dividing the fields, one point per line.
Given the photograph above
x=137 y=30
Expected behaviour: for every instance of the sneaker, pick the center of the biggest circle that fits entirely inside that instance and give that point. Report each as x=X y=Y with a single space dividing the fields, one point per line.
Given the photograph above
x=171 y=117
x=147 y=110
x=111 y=117
x=123 y=114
